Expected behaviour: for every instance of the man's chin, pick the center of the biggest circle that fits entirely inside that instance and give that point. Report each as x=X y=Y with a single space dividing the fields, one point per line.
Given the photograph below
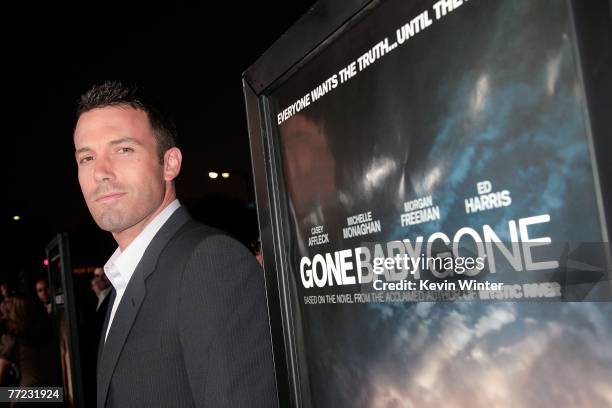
x=110 y=224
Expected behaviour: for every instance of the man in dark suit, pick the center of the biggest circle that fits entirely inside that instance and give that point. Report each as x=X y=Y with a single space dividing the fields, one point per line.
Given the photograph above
x=187 y=321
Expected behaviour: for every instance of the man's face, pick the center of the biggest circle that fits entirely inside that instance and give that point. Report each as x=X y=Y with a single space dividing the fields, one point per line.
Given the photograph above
x=119 y=168
x=99 y=281
x=99 y=273
x=42 y=291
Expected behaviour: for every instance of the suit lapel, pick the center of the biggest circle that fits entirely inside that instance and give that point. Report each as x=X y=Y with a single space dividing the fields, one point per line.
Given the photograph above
x=130 y=303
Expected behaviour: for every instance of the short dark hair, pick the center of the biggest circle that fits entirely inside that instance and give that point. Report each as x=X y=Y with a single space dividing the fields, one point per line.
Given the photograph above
x=115 y=93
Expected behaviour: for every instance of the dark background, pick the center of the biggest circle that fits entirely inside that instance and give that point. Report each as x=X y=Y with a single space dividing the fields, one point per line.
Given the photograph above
x=192 y=58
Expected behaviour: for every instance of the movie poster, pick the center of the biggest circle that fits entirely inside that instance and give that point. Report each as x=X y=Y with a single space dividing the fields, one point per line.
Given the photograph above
x=458 y=131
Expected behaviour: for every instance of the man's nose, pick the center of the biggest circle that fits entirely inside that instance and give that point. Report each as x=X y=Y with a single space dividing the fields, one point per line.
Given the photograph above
x=103 y=170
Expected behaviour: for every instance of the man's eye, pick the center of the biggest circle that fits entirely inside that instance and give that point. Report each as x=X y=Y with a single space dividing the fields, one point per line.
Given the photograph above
x=85 y=159
x=125 y=150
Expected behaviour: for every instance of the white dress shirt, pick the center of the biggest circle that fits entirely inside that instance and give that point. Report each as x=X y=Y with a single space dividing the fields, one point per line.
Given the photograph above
x=121 y=265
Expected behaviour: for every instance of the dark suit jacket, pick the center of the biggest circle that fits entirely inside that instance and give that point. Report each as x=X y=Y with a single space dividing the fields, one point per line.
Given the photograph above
x=192 y=326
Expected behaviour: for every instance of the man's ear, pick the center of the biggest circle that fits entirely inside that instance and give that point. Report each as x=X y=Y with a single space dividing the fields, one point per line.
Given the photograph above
x=172 y=163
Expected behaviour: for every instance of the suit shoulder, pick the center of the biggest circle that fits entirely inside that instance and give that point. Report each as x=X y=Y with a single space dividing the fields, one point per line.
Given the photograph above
x=192 y=233
x=198 y=240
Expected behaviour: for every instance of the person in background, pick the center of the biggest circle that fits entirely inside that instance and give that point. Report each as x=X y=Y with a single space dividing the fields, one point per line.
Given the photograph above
x=6 y=291
x=29 y=346
x=102 y=288
x=42 y=291
x=256 y=249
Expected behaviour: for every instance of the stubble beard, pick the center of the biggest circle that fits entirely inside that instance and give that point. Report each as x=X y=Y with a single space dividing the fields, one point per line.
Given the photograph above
x=111 y=220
